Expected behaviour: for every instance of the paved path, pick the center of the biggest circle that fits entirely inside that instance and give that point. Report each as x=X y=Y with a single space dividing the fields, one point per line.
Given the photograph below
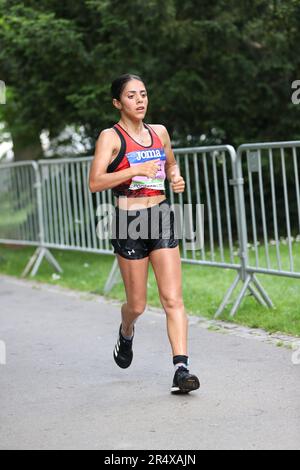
x=60 y=388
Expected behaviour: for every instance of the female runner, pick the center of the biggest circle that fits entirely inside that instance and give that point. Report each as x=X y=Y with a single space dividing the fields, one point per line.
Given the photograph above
x=133 y=159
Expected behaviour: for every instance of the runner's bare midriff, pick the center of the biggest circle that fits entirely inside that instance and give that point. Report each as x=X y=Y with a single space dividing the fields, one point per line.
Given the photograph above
x=134 y=203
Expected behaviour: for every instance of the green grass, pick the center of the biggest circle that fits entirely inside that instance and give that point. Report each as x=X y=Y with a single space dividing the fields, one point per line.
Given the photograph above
x=203 y=288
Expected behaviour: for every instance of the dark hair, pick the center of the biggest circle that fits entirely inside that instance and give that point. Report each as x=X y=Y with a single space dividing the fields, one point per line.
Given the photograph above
x=119 y=83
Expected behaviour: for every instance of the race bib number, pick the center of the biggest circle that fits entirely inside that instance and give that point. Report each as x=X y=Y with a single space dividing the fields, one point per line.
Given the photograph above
x=136 y=158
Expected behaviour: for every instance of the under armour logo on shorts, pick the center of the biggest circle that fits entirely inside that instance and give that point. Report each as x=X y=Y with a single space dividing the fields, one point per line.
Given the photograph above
x=130 y=252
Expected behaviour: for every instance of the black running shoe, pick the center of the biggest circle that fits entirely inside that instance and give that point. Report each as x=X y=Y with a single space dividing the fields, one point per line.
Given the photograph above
x=184 y=382
x=123 y=351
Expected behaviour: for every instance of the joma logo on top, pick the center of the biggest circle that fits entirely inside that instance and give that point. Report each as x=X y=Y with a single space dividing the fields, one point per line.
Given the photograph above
x=148 y=154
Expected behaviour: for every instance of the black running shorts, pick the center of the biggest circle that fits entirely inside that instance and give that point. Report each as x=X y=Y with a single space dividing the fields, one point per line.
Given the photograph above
x=137 y=232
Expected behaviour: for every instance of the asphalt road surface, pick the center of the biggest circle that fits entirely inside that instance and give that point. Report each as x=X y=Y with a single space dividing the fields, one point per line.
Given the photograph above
x=60 y=388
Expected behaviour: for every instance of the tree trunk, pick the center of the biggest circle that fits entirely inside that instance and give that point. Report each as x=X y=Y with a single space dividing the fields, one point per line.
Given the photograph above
x=26 y=147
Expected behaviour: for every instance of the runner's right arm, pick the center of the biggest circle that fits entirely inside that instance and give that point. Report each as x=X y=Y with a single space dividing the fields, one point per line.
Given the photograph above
x=106 y=146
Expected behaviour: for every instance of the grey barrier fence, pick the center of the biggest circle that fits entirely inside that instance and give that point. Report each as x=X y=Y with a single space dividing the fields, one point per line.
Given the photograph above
x=68 y=206
x=19 y=221
x=272 y=245
x=267 y=245
x=48 y=204
x=21 y=203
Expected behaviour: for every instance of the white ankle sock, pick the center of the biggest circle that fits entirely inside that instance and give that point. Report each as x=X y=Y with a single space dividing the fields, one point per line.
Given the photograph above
x=126 y=337
x=180 y=364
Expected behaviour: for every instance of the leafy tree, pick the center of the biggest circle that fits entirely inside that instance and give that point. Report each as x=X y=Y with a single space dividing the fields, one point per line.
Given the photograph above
x=214 y=67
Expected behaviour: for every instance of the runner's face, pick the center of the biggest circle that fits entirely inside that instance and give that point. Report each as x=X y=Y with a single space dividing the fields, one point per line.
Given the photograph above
x=134 y=101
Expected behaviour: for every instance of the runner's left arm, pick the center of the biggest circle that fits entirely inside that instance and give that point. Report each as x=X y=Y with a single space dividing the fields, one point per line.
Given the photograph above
x=171 y=168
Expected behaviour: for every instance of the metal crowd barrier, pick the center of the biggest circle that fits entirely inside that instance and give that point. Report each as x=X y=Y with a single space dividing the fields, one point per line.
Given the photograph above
x=48 y=204
x=68 y=206
x=267 y=246
x=278 y=253
x=21 y=203
x=19 y=221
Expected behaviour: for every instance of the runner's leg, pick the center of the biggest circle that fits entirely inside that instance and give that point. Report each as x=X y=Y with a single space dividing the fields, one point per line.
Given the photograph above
x=135 y=276
x=166 y=265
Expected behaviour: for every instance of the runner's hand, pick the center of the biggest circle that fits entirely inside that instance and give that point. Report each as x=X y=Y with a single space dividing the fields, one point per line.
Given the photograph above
x=177 y=182
x=148 y=169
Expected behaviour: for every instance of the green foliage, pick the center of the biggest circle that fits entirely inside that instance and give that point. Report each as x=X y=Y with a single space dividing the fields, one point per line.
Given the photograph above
x=207 y=64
